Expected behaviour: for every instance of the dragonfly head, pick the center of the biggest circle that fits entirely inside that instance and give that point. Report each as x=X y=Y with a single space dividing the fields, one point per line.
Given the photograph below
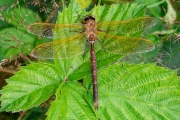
x=89 y=18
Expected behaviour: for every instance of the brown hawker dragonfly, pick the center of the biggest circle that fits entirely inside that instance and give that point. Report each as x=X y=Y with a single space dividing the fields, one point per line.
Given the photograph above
x=72 y=39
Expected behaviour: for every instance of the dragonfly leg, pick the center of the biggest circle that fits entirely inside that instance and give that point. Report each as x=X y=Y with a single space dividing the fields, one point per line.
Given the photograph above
x=101 y=44
x=85 y=49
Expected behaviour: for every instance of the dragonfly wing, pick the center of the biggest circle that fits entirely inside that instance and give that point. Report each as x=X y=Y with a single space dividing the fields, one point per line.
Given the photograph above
x=66 y=48
x=124 y=44
x=129 y=26
x=50 y=30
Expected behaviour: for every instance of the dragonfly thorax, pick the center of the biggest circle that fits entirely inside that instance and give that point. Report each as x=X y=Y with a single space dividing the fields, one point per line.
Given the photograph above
x=90 y=28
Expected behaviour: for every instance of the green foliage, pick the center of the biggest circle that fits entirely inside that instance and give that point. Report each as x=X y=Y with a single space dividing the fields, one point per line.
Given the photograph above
x=13 y=43
x=142 y=91
x=167 y=31
x=70 y=103
x=14 y=39
x=126 y=91
x=30 y=87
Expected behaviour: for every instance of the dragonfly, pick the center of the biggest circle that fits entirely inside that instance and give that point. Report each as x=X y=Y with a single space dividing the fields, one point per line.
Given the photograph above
x=73 y=39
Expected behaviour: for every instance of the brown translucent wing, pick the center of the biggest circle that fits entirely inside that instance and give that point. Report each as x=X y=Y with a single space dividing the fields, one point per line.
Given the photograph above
x=124 y=44
x=65 y=48
x=50 y=30
x=129 y=26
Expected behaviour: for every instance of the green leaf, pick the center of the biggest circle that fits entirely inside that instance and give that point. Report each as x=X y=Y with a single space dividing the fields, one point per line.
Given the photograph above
x=70 y=104
x=29 y=87
x=71 y=14
x=118 y=12
x=84 y=4
x=126 y=91
x=15 y=41
x=20 y=17
x=144 y=91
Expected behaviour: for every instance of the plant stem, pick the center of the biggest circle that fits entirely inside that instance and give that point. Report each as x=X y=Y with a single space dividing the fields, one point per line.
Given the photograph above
x=99 y=2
